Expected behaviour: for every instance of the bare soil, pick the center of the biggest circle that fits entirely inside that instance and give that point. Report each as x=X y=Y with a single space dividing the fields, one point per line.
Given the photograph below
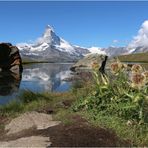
x=79 y=133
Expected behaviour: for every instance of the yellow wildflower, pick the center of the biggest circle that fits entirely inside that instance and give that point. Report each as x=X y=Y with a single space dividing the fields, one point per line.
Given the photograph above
x=136 y=68
x=146 y=75
x=116 y=67
x=124 y=66
x=138 y=80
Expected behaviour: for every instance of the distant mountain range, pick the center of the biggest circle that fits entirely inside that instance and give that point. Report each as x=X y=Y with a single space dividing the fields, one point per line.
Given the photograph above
x=52 y=48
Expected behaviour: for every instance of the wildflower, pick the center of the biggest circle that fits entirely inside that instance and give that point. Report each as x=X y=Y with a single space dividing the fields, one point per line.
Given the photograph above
x=95 y=66
x=146 y=75
x=138 y=80
x=124 y=66
x=130 y=122
x=116 y=67
x=136 y=68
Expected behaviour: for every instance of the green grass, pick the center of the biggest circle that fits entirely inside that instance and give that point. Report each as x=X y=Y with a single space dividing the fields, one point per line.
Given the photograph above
x=64 y=115
x=33 y=62
x=117 y=103
x=135 y=134
x=41 y=102
x=11 y=109
x=30 y=101
x=138 y=57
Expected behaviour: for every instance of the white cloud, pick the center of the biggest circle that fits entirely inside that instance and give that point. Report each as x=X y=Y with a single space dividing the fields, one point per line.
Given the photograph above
x=142 y=38
x=115 y=41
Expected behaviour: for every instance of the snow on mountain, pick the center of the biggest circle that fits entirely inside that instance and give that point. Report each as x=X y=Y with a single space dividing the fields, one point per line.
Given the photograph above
x=115 y=51
x=50 y=47
x=81 y=50
x=96 y=50
x=110 y=51
x=139 y=49
x=32 y=47
x=53 y=48
x=64 y=46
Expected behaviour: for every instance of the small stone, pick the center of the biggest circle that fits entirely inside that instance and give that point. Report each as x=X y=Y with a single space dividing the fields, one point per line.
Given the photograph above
x=30 y=120
x=33 y=141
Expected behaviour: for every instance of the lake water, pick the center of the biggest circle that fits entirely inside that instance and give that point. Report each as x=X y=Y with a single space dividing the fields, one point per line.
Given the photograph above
x=41 y=77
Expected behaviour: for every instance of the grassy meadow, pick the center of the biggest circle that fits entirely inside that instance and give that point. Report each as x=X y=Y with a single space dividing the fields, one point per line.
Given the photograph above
x=137 y=57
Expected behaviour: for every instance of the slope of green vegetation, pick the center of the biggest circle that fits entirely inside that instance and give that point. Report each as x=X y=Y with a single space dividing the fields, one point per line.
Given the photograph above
x=29 y=61
x=138 y=57
x=29 y=101
x=119 y=102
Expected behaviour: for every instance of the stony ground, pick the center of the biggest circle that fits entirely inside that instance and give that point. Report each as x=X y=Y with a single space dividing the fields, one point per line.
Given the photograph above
x=38 y=129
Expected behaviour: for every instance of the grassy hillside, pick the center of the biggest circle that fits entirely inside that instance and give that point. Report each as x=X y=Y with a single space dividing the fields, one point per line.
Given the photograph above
x=138 y=57
x=27 y=60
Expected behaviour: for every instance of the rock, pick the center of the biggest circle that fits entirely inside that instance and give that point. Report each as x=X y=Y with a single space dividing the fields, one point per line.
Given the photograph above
x=10 y=59
x=87 y=61
x=10 y=69
x=30 y=120
x=9 y=83
x=33 y=141
x=103 y=64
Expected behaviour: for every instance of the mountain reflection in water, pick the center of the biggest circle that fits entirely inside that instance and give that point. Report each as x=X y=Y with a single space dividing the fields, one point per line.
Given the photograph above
x=41 y=77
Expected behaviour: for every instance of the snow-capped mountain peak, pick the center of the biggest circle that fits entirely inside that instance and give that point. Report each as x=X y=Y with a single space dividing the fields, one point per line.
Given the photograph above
x=50 y=46
x=48 y=37
x=48 y=32
x=48 y=27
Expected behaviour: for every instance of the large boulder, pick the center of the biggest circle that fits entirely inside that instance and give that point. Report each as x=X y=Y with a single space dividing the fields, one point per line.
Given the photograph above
x=87 y=61
x=9 y=83
x=10 y=59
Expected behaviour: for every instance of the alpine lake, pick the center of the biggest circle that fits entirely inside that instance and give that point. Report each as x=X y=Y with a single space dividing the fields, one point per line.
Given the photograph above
x=37 y=77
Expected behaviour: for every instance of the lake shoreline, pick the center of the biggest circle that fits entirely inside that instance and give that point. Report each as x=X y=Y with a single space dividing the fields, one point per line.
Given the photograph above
x=47 y=62
x=36 y=62
x=36 y=77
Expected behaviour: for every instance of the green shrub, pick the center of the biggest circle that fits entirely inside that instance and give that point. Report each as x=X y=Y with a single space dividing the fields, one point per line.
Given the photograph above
x=122 y=93
x=29 y=96
x=11 y=108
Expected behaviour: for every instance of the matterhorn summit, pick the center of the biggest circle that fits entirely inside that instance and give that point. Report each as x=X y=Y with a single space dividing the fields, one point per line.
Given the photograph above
x=48 y=31
x=50 y=47
x=49 y=36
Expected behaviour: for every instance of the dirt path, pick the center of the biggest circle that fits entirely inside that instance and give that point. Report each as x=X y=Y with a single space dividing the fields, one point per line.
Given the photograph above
x=32 y=141
x=79 y=133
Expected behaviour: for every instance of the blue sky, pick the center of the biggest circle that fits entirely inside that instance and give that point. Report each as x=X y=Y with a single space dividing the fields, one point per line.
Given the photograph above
x=81 y=23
